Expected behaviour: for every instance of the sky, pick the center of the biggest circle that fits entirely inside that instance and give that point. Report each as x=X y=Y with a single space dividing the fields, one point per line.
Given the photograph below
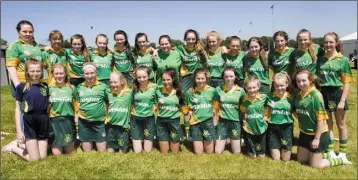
x=156 y=18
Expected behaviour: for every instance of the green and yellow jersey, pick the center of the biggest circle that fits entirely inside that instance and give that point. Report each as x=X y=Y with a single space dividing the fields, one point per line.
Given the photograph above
x=122 y=61
x=119 y=107
x=18 y=53
x=144 y=101
x=215 y=63
x=236 y=61
x=310 y=109
x=164 y=61
x=303 y=60
x=201 y=103
x=253 y=111
x=190 y=60
x=92 y=101
x=168 y=104
x=335 y=71
x=104 y=63
x=280 y=60
x=75 y=63
x=52 y=58
x=278 y=108
x=229 y=102
x=254 y=67
x=146 y=60
x=62 y=100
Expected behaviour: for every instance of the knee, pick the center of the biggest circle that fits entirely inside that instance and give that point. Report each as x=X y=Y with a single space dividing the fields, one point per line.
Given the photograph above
x=316 y=165
x=56 y=153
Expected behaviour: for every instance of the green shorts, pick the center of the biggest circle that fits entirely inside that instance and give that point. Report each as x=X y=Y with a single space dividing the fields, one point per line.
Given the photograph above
x=142 y=128
x=168 y=129
x=61 y=131
x=265 y=89
x=117 y=137
x=331 y=97
x=187 y=82
x=215 y=82
x=129 y=78
x=305 y=141
x=91 y=131
x=255 y=144
x=280 y=136
x=203 y=131
x=105 y=81
x=228 y=129
x=76 y=81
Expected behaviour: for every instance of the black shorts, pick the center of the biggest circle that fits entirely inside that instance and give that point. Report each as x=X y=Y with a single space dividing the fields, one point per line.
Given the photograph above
x=331 y=98
x=279 y=136
x=36 y=126
x=305 y=141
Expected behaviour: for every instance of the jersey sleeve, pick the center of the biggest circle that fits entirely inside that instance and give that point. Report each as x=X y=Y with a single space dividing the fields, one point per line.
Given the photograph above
x=215 y=102
x=346 y=74
x=12 y=56
x=19 y=92
x=318 y=106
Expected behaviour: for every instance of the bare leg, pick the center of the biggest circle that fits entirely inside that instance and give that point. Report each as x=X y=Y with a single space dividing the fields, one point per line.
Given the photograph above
x=198 y=147
x=101 y=146
x=164 y=147
x=276 y=154
x=236 y=146
x=68 y=149
x=110 y=150
x=137 y=146
x=87 y=146
x=57 y=150
x=32 y=147
x=209 y=146
x=219 y=146
x=285 y=155
x=148 y=145
x=303 y=155
x=174 y=147
x=43 y=148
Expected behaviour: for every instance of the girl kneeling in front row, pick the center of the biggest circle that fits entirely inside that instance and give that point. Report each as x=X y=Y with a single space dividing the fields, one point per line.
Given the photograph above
x=200 y=108
x=279 y=111
x=254 y=123
x=314 y=138
x=120 y=100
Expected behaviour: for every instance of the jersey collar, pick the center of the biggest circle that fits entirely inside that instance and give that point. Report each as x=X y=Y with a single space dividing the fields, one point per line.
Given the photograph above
x=205 y=88
x=258 y=95
x=312 y=88
x=95 y=84
x=22 y=41
x=337 y=56
x=281 y=51
x=97 y=52
x=236 y=88
x=149 y=85
x=287 y=94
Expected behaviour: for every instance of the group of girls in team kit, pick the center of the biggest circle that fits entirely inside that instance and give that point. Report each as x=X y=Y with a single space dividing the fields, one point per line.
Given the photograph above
x=107 y=97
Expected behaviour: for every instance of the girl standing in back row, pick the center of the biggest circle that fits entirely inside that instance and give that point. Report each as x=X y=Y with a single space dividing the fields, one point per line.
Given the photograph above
x=102 y=57
x=336 y=75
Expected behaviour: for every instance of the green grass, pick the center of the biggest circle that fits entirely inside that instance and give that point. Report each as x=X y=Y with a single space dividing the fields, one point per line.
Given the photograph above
x=184 y=165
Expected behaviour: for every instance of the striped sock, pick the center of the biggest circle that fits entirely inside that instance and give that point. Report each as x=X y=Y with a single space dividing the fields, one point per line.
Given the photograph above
x=342 y=145
x=331 y=145
x=335 y=162
x=326 y=155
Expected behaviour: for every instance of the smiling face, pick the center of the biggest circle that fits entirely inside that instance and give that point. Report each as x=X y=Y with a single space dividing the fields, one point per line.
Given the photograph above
x=56 y=41
x=89 y=73
x=59 y=75
x=167 y=81
x=252 y=88
x=26 y=33
x=200 y=80
x=330 y=43
x=142 y=77
x=213 y=43
x=303 y=40
x=254 y=48
x=34 y=71
x=229 y=78
x=280 y=86
x=142 y=43
x=77 y=45
x=165 y=45
x=101 y=43
x=235 y=46
x=303 y=81
x=115 y=82
x=280 y=42
x=190 y=40
x=120 y=40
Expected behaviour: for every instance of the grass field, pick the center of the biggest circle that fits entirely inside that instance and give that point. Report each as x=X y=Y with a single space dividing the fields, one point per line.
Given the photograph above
x=184 y=165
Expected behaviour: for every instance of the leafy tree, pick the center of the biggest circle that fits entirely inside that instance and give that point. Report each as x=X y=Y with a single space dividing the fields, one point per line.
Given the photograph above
x=3 y=42
x=152 y=44
x=244 y=45
x=318 y=40
x=176 y=42
x=67 y=44
x=292 y=43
